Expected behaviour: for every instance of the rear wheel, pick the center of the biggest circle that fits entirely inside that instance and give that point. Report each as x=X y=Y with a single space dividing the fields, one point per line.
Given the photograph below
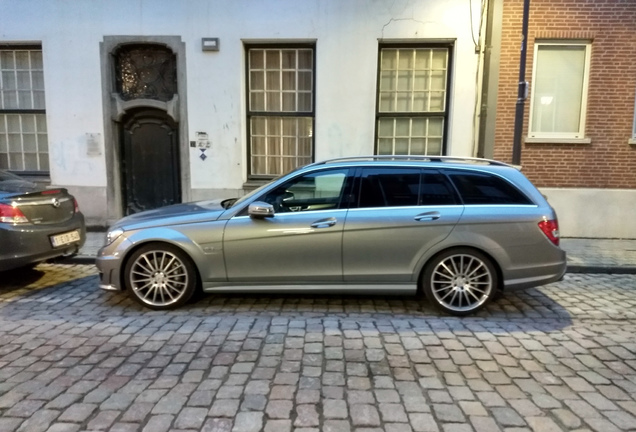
x=160 y=276
x=460 y=281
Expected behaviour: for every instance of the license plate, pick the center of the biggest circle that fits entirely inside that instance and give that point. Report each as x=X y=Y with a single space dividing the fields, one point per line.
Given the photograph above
x=65 y=238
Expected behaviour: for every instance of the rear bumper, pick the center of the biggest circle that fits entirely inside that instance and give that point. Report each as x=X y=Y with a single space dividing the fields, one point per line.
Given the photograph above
x=27 y=244
x=537 y=275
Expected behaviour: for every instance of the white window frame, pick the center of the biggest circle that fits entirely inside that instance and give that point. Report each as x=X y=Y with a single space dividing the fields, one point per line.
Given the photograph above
x=580 y=134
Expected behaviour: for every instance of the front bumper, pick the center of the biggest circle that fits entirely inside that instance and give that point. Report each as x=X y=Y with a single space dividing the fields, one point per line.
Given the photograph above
x=109 y=272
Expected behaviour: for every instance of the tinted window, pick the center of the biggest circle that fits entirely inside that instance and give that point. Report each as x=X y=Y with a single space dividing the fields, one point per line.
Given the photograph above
x=389 y=187
x=483 y=188
x=314 y=191
x=399 y=187
x=437 y=190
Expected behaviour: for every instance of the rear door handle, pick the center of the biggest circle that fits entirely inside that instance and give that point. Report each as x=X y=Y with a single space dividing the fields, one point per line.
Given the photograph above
x=324 y=223
x=428 y=216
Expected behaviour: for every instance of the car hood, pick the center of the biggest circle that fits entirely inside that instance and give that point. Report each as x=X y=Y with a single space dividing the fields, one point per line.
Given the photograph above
x=193 y=212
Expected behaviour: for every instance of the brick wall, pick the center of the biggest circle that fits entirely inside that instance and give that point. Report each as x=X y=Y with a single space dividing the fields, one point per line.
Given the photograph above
x=609 y=161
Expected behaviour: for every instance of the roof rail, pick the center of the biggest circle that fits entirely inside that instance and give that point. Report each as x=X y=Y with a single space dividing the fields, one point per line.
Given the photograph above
x=414 y=158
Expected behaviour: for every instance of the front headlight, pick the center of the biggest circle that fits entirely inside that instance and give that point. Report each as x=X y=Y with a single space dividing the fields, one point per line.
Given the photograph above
x=112 y=235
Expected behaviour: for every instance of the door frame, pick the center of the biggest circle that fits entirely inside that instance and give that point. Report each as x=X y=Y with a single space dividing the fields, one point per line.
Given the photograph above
x=115 y=108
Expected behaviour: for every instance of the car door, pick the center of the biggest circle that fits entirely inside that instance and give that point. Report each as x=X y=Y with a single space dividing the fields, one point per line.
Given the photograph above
x=400 y=213
x=301 y=242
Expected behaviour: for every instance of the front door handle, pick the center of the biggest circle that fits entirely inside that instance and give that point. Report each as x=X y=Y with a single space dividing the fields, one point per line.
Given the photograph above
x=428 y=216
x=324 y=223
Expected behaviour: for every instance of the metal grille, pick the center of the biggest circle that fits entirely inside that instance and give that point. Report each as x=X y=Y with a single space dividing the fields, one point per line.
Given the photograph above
x=413 y=80
x=280 y=144
x=410 y=136
x=146 y=72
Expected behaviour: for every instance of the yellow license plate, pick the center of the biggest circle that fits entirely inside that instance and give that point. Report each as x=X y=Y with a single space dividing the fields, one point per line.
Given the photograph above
x=65 y=238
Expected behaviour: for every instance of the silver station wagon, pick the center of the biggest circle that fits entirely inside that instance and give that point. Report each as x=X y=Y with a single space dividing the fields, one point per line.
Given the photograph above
x=457 y=230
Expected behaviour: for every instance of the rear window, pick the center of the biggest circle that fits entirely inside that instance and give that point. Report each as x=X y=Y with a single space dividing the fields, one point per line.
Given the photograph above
x=5 y=176
x=483 y=188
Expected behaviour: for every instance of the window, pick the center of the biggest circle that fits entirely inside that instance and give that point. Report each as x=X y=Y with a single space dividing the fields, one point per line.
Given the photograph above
x=313 y=191
x=486 y=189
x=412 y=100
x=389 y=187
x=280 y=109
x=23 y=134
x=559 y=91
x=398 y=187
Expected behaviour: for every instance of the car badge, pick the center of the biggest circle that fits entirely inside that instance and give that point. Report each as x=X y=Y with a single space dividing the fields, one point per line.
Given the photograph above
x=56 y=202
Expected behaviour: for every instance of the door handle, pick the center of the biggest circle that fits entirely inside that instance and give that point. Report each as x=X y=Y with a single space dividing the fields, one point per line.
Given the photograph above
x=428 y=216
x=324 y=223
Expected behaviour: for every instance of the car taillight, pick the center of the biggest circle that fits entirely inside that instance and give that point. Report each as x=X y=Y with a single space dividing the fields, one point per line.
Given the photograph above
x=11 y=214
x=76 y=205
x=551 y=230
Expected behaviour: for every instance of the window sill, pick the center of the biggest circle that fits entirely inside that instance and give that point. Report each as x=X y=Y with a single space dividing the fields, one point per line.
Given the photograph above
x=529 y=140
x=632 y=141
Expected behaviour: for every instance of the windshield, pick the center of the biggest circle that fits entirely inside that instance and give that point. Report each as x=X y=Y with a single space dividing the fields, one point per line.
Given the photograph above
x=244 y=198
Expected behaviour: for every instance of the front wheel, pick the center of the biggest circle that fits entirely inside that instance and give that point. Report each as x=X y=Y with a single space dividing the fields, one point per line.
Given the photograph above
x=160 y=276
x=460 y=281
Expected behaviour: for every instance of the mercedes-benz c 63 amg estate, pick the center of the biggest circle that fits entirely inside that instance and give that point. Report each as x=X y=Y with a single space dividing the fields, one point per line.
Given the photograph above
x=457 y=230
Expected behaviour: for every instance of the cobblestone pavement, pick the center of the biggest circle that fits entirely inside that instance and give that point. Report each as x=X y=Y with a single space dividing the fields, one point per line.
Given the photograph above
x=74 y=358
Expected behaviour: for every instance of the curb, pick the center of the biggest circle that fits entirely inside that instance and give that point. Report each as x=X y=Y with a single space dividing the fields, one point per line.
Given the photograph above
x=78 y=259
x=598 y=269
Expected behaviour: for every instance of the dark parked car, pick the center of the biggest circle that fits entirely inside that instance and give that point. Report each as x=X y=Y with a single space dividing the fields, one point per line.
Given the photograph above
x=457 y=230
x=36 y=224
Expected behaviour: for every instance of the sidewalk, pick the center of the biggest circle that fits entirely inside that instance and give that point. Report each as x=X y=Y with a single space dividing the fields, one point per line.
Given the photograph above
x=584 y=255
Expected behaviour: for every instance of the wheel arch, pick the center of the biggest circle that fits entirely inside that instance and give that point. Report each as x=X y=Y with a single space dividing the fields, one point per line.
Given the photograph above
x=163 y=241
x=434 y=256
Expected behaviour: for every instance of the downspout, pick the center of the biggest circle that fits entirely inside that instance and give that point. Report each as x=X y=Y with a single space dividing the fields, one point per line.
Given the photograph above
x=479 y=77
x=490 y=89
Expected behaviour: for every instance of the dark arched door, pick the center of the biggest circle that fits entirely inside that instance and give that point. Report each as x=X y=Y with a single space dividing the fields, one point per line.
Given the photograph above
x=150 y=160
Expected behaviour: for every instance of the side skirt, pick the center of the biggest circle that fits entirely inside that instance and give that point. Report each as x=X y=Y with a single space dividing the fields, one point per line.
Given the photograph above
x=375 y=289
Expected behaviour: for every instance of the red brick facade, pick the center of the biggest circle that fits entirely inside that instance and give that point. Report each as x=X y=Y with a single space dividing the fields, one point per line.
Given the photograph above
x=609 y=161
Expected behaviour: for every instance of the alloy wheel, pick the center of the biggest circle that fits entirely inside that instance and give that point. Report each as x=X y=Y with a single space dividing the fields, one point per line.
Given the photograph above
x=159 y=278
x=462 y=282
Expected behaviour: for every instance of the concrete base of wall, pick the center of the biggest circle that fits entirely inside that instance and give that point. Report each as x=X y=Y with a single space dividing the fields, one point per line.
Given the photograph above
x=92 y=202
x=206 y=194
x=594 y=213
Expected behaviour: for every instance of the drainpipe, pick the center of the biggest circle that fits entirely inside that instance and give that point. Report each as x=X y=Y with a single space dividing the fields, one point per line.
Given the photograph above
x=522 y=93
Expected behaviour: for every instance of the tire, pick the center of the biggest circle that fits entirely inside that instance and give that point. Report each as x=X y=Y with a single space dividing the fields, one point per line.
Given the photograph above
x=460 y=281
x=160 y=276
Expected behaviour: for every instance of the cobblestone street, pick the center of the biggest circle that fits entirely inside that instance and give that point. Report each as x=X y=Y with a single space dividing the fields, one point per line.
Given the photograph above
x=75 y=358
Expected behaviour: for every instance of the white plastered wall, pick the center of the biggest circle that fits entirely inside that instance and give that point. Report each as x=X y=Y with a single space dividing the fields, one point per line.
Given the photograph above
x=346 y=35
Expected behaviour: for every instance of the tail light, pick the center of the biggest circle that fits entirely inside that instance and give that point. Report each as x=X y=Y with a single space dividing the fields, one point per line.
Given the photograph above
x=76 y=205
x=11 y=214
x=551 y=230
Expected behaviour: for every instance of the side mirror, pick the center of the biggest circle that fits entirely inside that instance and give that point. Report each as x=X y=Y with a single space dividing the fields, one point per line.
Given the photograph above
x=260 y=209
